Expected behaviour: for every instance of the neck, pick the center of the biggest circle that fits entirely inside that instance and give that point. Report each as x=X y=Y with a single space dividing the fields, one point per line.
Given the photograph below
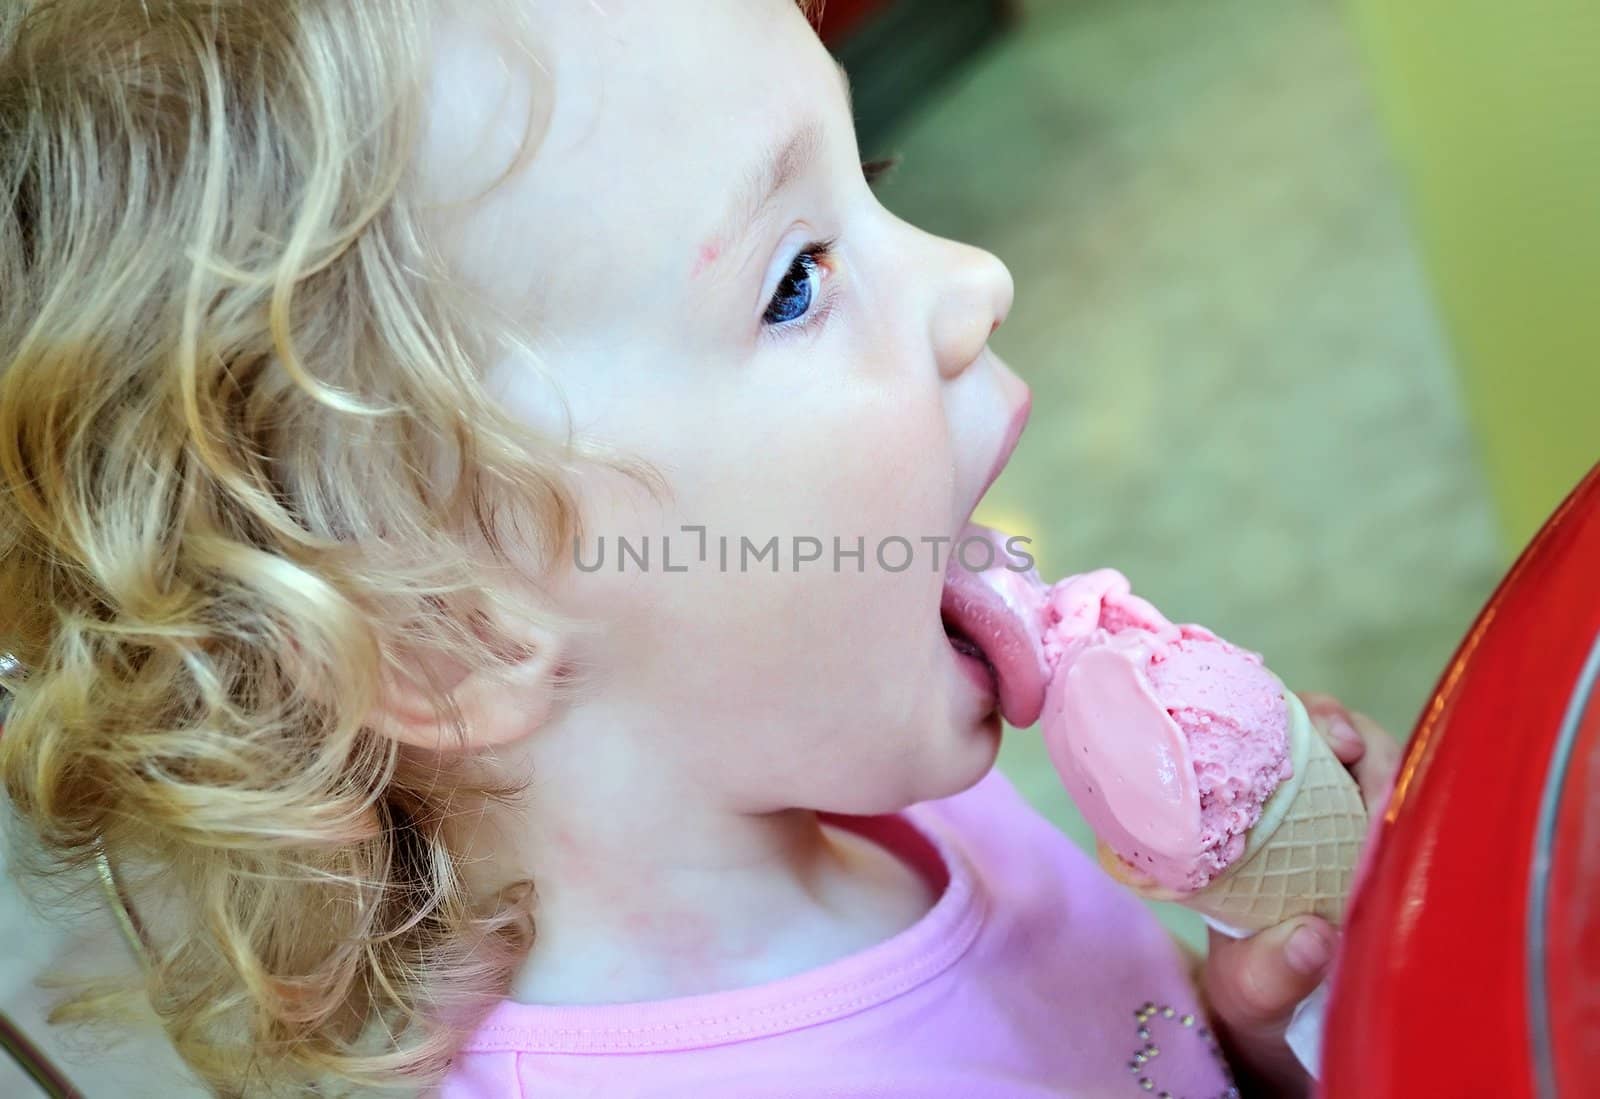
x=648 y=888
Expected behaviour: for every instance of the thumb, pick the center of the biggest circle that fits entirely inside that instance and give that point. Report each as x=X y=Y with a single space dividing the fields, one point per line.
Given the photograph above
x=1254 y=984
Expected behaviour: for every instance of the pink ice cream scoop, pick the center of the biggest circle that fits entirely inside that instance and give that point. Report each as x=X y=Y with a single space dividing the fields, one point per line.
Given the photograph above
x=1169 y=739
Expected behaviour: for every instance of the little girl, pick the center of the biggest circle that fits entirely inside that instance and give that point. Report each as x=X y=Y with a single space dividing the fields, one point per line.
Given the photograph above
x=337 y=344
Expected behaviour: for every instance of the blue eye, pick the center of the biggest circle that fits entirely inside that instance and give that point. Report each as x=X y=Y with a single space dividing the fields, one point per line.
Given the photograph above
x=800 y=285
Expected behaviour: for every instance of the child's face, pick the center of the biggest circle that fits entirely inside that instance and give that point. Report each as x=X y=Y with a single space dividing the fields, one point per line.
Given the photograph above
x=781 y=391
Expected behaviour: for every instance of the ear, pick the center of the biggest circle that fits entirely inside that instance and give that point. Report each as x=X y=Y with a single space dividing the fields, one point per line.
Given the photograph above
x=496 y=706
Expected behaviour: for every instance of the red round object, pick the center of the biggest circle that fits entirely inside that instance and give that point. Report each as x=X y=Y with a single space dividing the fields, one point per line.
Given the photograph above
x=1471 y=958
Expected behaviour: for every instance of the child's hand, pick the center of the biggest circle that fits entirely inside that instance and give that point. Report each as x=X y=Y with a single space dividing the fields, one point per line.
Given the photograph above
x=1253 y=985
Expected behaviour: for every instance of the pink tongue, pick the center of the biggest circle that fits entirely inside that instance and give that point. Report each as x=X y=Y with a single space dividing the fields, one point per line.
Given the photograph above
x=1002 y=610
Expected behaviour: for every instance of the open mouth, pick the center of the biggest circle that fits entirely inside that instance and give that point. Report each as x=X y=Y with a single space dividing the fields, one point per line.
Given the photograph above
x=996 y=616
x=965 y=646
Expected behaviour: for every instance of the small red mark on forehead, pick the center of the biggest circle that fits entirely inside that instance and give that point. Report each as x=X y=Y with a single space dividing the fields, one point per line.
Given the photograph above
x=709 y=251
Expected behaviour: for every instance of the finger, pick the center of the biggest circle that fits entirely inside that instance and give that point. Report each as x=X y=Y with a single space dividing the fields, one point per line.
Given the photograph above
x=1376 y=771
x=1337 y=726
x=1255 y=984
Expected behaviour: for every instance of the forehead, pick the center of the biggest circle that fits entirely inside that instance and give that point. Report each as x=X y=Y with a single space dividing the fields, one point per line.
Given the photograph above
x=647 y=115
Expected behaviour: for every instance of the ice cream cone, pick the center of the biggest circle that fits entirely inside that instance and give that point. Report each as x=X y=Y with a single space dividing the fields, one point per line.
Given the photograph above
x=1301 y=855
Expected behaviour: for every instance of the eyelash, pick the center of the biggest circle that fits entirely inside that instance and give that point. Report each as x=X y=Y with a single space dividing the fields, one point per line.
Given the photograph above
x=821 y=254
x=874 y=171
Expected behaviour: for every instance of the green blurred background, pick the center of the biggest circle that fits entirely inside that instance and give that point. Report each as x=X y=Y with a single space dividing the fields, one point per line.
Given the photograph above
x=1308 y=294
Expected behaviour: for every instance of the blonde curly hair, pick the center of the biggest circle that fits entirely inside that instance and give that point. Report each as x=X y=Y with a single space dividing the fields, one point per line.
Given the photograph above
x=249 y=467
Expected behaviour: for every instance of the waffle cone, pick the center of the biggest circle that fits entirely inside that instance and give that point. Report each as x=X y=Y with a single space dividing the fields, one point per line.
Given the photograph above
x=1300 y=857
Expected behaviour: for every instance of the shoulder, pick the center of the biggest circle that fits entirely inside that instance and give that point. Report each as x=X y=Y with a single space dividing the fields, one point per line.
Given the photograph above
x=992 y=794
x=1030 y=871
x=992 y=822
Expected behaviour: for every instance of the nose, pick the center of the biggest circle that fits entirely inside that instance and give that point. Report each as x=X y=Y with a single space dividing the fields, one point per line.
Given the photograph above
x=972 y=302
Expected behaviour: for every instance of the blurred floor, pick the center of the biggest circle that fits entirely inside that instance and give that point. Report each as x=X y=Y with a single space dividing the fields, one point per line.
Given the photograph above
x=1242 y=397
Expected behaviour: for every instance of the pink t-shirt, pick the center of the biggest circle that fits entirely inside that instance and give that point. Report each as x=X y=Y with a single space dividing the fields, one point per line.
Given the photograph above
x=1033 y=975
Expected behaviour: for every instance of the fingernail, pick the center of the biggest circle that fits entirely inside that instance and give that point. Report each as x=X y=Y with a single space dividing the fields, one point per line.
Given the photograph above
x=1308 y=950
x=1345 y=733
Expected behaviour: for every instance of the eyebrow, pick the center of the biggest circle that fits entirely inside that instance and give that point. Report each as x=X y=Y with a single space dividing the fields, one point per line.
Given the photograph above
x=775 y=171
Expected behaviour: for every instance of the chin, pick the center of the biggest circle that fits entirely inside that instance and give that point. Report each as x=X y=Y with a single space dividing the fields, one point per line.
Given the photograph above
x=931 y=768
x=968 y=755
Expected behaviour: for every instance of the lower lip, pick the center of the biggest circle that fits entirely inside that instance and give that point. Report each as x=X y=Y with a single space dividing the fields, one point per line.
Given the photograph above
x=979 y=674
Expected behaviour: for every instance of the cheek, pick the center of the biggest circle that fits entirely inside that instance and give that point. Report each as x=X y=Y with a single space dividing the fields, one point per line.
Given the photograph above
x=858 y=466
x=862 y=620
x=882 y=468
